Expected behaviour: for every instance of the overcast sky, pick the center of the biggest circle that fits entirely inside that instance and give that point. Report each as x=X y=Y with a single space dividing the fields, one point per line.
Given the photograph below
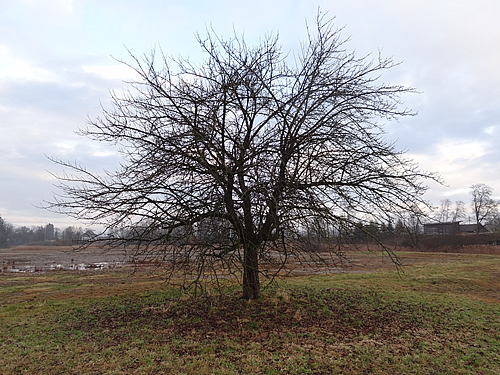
x=57 y=65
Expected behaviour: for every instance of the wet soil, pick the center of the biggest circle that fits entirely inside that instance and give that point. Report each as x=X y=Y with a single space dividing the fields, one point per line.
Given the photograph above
x=60 y=258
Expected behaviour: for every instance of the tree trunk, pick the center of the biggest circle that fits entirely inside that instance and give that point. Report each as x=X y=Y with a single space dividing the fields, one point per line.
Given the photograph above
x=251 y=284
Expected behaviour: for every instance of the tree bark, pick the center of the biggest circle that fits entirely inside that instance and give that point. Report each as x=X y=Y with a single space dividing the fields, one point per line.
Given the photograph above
x=251 y=284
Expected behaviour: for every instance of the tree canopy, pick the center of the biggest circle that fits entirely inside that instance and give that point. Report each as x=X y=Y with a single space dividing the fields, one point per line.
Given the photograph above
x=247 y=159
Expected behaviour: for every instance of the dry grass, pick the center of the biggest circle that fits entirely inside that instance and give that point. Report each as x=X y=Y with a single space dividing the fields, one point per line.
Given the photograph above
x=468 y=249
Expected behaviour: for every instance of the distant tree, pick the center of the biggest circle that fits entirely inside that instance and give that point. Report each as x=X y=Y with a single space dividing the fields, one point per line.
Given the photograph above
x=27 y=235
x=458 y=212
x=389 y=228
x=71 y=235
x=254 y=146
x=444 y=211
x=484 y=207
x=494 y=223
x=447 y=212
x=39 y=234
x=409 y=223
x=22 y=235
x=49 y=232
x=4 y=233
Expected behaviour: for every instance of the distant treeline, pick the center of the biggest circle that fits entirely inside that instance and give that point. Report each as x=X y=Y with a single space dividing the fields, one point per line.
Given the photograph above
x=404 y=233
x=11 y=235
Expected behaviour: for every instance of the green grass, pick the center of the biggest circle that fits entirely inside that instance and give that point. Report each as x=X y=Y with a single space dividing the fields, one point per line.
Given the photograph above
x=441 y=317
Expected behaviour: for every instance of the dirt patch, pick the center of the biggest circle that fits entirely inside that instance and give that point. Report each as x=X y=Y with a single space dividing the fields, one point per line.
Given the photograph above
x=328 y=313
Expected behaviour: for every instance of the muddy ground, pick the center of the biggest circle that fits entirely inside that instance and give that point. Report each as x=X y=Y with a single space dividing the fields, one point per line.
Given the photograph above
x=59 y=258
x=54 y=258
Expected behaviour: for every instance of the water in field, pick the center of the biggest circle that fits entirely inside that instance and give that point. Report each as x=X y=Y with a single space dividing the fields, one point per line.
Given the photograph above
x=60 y=267
x=45 y=259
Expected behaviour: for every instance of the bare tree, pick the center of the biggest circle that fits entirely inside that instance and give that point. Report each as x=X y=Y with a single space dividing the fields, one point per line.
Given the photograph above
x=409 y=223
x=449 y=213
x=444 y=211
x=458 y=212
x=232 y=165
x=484 y=207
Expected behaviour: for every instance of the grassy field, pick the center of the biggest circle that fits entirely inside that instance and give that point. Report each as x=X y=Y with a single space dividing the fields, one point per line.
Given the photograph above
x=442 y=316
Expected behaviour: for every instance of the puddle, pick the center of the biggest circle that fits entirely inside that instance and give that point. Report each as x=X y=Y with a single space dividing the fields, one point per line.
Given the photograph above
x=62 y=267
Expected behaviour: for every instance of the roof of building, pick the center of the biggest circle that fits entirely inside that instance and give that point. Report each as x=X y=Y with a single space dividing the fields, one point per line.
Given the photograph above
x=446 y=223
